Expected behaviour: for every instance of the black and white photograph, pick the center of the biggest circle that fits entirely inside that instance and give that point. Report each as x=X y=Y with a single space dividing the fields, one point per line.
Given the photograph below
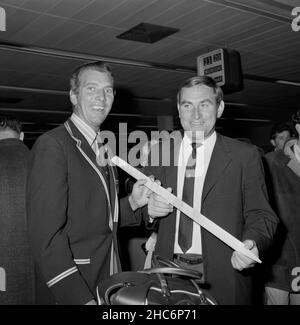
x=149 y=155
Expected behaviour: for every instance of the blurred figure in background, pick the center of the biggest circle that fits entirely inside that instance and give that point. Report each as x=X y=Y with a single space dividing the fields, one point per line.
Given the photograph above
x=280 y=133
x=283 y=180
x=16 y=268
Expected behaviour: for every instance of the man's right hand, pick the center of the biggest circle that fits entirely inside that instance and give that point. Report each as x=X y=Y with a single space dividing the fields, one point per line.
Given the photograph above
x=157 y=206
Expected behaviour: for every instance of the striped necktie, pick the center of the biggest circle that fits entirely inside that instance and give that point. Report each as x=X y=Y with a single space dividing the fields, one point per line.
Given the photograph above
x=102 y=158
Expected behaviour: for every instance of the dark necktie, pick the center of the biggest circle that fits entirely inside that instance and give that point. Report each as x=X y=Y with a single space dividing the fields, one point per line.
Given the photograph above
x=185 y=234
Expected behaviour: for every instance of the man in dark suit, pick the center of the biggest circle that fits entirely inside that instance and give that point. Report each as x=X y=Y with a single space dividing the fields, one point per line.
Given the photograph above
x=283 y=181
x=228 y=188
x=16 y=265
x=73 y=205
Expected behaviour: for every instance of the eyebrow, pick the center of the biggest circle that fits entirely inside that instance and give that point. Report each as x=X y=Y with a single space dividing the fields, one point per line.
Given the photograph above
x=202 y=101
x=94 y=83
x=90 y=83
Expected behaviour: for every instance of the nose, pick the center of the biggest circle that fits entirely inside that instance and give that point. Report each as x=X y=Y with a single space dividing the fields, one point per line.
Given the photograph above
x=197 y=112
x=100 y=94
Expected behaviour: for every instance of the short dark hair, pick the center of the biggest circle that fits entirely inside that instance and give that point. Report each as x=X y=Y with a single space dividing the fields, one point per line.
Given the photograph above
x=97 y=65
x=281 y=127
x=202 y=80
x=10 y=122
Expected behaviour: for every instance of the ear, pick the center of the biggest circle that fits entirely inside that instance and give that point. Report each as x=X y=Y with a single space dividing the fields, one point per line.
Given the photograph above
x=297 y=127
x=220 y=109
x=73 y=98
x=178 y=107
x=21 y=137
x=273 y=142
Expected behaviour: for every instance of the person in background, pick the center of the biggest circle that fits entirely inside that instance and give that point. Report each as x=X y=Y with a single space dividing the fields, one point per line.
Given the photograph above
x=283 y=180
x=226 y=185
x=16 y=265
x=280 y=133
x=73 y=205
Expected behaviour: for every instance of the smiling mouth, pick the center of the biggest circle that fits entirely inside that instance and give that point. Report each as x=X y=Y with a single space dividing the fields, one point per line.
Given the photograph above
x=98 y=108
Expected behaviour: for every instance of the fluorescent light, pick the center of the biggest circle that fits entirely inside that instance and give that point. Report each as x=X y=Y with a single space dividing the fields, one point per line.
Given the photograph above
x=235 y=104
x=288 y=83
x=252 y=120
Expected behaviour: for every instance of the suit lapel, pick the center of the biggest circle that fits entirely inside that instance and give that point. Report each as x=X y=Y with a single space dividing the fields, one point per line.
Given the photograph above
x=84 y=145
x=88 y=153
x=294 y=165
x=220 y=159
x=291 y=162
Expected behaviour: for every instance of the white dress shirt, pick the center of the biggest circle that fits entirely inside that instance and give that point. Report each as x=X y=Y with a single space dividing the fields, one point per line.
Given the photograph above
x=204 y=153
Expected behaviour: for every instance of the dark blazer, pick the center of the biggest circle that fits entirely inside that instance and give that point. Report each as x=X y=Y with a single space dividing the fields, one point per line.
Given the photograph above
x=16 y=267
x=73 y=216
x=283 y=181
x=235 y=198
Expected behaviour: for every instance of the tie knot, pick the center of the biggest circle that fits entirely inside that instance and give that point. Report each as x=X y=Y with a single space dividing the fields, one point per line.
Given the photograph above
x=196 y=145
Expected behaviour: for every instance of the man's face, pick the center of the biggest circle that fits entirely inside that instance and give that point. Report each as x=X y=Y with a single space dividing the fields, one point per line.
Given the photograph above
x=94 y=97
x=280 y=139
x=198 y=110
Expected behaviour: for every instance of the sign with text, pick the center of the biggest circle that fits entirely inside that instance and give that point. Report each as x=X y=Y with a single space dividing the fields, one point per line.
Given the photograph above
x=224 y=66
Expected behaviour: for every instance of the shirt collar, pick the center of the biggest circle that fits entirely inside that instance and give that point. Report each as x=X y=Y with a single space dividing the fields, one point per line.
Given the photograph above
x=208 y=142
x=84 y=128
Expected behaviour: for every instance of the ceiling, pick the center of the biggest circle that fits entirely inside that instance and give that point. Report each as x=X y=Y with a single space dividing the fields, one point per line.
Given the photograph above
x=46 y=39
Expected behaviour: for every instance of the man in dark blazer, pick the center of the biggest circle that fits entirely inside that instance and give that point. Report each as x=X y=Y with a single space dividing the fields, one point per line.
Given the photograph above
x=283 y=181
x=229 y=189
x=73 y=205
x=16 y=264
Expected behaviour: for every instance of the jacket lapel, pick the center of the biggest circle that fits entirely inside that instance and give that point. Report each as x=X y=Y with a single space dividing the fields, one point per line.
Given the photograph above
x=88 y=153
x=294 y=165
x=220 y=159
x=83 y=144
x=289 y=161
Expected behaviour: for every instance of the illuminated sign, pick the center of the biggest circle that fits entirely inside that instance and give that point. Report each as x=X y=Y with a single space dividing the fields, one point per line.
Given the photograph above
x=224 y=66
x=212 y=64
